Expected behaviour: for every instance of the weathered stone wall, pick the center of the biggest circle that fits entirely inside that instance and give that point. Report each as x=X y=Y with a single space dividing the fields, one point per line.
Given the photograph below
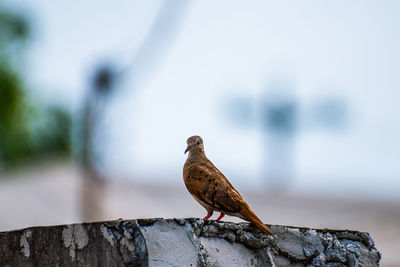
x=183 y=242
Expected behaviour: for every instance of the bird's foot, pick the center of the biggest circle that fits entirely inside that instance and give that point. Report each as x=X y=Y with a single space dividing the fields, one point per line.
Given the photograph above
x=220 y=216
x=209 y=214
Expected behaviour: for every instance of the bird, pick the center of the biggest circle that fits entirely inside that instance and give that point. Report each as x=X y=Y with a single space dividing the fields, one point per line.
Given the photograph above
x=211 y=188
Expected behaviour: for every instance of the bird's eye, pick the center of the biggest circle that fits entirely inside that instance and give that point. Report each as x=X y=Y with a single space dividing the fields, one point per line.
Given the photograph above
x=197 y=142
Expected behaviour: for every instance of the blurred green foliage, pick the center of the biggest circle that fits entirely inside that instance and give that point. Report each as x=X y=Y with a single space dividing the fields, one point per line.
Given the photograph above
x=28 y=131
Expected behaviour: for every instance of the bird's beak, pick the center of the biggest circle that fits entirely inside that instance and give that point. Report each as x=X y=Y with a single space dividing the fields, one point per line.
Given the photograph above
x=187 y=149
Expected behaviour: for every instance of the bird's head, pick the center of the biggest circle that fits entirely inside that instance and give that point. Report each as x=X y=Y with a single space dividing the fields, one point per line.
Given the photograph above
x=194 y=144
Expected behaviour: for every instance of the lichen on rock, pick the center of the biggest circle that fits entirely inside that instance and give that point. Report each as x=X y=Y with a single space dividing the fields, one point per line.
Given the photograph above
x=184 y=242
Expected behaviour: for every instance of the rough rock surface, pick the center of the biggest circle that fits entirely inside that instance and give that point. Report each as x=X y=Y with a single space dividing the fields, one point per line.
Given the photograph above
x=183 y=242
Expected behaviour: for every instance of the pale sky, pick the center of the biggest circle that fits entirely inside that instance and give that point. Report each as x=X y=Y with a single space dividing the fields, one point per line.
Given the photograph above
x=226 y=48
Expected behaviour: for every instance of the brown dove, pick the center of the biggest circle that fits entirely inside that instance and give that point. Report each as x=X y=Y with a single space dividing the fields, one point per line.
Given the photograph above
x=211 y=188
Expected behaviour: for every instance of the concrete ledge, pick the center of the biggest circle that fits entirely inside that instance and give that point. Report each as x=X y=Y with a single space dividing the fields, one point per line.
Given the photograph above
x=183 y=242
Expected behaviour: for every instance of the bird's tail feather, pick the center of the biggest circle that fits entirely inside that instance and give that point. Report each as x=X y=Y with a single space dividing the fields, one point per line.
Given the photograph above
x=250 y=216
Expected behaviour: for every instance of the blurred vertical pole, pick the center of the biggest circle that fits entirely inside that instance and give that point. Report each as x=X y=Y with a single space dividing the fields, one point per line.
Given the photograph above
x=93 y=182
x=279 y=116
x=149 y=53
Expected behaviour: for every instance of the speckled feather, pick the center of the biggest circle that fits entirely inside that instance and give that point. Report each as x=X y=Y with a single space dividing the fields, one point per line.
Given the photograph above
x=212 y=189
x=207 y=183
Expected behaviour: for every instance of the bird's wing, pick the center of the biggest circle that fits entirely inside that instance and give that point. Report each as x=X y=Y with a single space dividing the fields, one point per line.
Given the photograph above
x=208 y=184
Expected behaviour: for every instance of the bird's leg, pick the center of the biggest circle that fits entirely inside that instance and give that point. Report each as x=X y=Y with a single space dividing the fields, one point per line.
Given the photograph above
x=220 y=216
x=209 y=214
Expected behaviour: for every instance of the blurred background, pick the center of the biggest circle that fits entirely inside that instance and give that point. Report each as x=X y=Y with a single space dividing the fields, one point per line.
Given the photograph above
x=297 y=103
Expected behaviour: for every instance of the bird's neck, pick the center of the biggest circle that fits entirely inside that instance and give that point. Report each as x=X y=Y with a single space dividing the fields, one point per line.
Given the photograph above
x=196 y=156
